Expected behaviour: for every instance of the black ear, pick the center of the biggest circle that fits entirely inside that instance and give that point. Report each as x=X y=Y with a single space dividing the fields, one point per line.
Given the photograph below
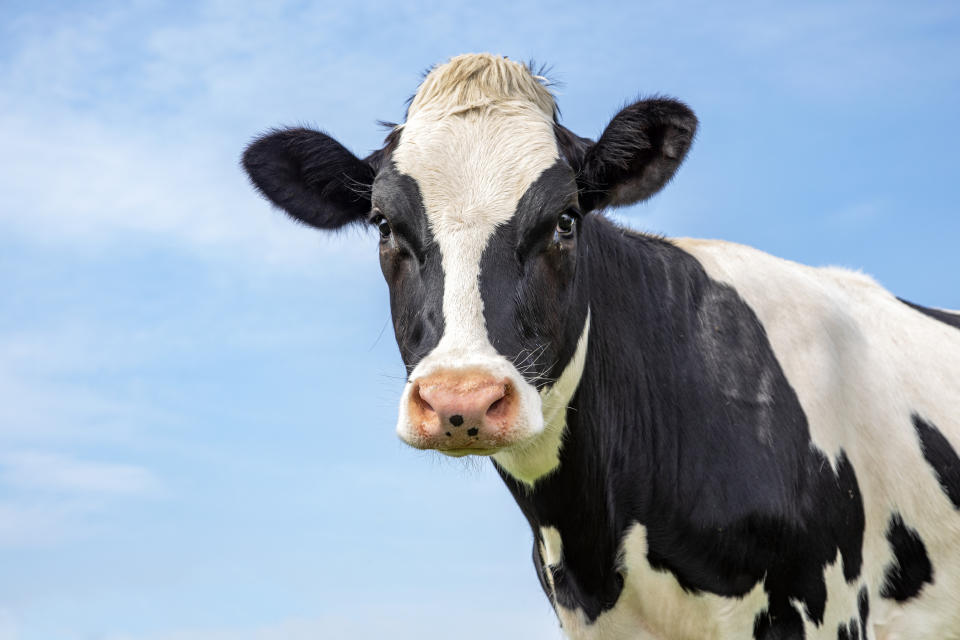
x=311 y=176
x=637 y=154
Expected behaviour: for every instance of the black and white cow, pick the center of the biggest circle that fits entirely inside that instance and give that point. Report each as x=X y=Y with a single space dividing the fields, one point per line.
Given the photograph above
x=707 y=441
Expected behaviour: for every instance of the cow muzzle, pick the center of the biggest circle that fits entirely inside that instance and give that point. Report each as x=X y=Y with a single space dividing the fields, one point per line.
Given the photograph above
x=462 y=412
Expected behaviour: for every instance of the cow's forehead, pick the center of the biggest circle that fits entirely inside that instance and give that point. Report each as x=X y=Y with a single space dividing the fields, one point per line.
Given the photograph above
x=478 y=133
x=473 y=169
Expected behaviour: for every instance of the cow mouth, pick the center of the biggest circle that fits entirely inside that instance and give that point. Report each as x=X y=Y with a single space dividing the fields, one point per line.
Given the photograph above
x=466 y=440
x=470 y=451
x=457 y=447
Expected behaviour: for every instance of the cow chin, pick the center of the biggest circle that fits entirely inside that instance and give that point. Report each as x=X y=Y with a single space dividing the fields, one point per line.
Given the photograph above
x=468 y=404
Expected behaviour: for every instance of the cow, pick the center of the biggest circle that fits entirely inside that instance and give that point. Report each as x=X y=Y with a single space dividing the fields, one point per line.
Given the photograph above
x=707 y=441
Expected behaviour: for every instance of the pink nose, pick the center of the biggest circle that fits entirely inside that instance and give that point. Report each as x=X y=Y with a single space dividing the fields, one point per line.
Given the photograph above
x=457 y=410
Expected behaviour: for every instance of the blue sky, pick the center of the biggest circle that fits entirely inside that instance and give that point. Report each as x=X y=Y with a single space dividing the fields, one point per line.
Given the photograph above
x=197 y=397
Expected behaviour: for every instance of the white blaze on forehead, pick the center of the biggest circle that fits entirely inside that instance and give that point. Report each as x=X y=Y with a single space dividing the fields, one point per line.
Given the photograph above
x=478 y=134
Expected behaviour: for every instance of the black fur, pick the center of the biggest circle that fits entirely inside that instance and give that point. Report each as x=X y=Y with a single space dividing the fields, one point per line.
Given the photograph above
x=573 y=148
x=529 y=280
x=941 y=456
x=849 y=631
x=779 y=623
x=311 y=176
x=911 y=568
x=637 y=154
x=706 y=445
x=411 y=262
x=843 y=633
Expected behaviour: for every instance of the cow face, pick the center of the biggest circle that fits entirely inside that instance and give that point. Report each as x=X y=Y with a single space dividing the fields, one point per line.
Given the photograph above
x=481 y=202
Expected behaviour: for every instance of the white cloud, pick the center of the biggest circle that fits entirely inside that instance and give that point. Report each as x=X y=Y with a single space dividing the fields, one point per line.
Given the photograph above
x=36 y=523
x=46 y=393
x=38 y=408
x=56 y=497
x=110 y=133
x=103 y=184
x=52 y=472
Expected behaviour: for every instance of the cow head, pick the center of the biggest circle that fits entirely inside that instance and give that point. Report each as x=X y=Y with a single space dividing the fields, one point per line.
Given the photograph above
x=482 y=203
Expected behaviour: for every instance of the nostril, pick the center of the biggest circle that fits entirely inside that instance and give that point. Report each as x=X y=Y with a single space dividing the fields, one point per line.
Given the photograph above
x=422 y=403
x=501 y=405
x=462 y=405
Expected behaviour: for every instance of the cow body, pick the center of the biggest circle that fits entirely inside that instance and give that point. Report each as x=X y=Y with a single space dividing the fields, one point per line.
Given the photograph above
x=765 y=424
x=708 y=442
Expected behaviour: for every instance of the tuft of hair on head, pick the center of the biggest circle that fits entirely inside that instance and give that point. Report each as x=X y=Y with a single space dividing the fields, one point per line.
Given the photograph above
x=478 y=80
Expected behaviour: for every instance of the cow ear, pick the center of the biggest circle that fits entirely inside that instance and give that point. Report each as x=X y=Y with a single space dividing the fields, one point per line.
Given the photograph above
x=311 y=176
x=637 y=154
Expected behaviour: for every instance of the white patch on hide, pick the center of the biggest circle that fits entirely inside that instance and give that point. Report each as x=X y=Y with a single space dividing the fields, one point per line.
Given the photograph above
x=653 y=605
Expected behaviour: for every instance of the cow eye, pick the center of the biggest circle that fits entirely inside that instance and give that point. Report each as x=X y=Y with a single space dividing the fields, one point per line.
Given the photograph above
x=380 y=222
x=567 y=223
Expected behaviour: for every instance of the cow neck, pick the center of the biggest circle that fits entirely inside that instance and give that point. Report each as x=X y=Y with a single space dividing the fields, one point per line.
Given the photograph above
x=642 y=291
x=642 y=294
